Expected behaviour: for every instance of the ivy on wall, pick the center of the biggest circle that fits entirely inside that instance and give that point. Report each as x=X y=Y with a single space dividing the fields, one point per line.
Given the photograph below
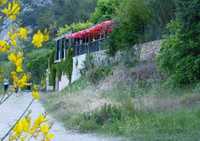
x=63 y=67
x=69 y=64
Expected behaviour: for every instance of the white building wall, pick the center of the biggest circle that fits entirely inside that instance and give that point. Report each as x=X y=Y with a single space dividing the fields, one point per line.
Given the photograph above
x=78 y=65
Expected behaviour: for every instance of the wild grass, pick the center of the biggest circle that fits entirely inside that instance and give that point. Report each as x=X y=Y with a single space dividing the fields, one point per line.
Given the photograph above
x=180 y=124
x=78 y=85
x=169 y=123
x=52 y=101
x=145 y=110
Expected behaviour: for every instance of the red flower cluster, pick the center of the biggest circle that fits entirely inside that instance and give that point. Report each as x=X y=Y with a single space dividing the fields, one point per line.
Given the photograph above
x=93 y=32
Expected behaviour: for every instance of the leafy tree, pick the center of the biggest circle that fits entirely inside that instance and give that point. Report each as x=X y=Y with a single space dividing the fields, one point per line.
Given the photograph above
x=56 y=13
x=104 y=10
x=131 y=19
x=162 y=12
x=37 y=63
x=180 y=53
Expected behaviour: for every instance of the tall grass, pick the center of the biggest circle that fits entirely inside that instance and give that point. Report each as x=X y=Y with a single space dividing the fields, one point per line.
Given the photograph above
x=168 y=123
x=179 y=125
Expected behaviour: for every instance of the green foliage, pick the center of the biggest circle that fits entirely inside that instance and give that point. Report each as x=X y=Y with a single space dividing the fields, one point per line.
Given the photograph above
x=180 y=53
x=37 y=62
x=69 y=64
x=197 y=88
x=95 y=72
x=57 y=13
x=93 y=120
x=107 y=113
x=63 y=67
x=74 y=27
x=78 y=85
x=6 y=68
x=52 y=70
x=155 y=124
x=162 y=12
x=98 y=74
x=104 y=10
x=131 y=18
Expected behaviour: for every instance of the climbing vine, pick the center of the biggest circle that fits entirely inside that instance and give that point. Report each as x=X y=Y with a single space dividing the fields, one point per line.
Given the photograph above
x=63 y=67
x=69 y=64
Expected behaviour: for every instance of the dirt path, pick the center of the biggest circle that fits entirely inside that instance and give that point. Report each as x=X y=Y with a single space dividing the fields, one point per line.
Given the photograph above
x=12 y=109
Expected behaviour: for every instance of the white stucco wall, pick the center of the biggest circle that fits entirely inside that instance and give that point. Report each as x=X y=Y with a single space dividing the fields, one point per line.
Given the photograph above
x=78 y=65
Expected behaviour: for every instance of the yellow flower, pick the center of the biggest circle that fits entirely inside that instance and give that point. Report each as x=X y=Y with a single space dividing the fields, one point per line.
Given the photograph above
x=25 y=128
x=22 y=82
x=12 y=10
x=19 y=81
x=46 y=35
x=36 y=95
x=25 y=124
x=23 y=33
x=38 y=39
x=45 y=128
x=2 y=2
x=49 y=137
x=39 y=120
x=18 y=128
x=4 y=46
x=13 y=38
x=22 y=138
x=17 y=59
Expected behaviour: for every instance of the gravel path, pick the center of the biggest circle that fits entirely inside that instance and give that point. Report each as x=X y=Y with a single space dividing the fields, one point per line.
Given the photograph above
x=12 y=109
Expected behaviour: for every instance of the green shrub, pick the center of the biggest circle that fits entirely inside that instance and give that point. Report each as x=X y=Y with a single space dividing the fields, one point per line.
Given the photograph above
x=78 y=85
x=162 y=12
x=95 y=71
x=37 y=62
x=197 y=88
x=104 y=10
x=131 y=18
x=105 y=115
x=63 y=67
x=88 y=125
x=97 y=74
x=178 y=58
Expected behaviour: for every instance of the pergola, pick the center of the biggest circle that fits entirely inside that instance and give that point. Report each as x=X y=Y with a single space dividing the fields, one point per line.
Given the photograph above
x=84 y=41
x=93 y=32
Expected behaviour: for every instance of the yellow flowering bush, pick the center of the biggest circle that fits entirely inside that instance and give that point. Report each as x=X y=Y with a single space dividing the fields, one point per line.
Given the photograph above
x=39 y=38
x=12 y=10
x=25 y=128
x=17 y=59
x=13 y=39
x=19 y=80
x=23 y=33
x=4 y=46
x=35 y=93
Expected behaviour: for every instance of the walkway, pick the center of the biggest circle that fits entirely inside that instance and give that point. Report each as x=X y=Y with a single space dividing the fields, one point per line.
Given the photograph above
x=12 y=109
